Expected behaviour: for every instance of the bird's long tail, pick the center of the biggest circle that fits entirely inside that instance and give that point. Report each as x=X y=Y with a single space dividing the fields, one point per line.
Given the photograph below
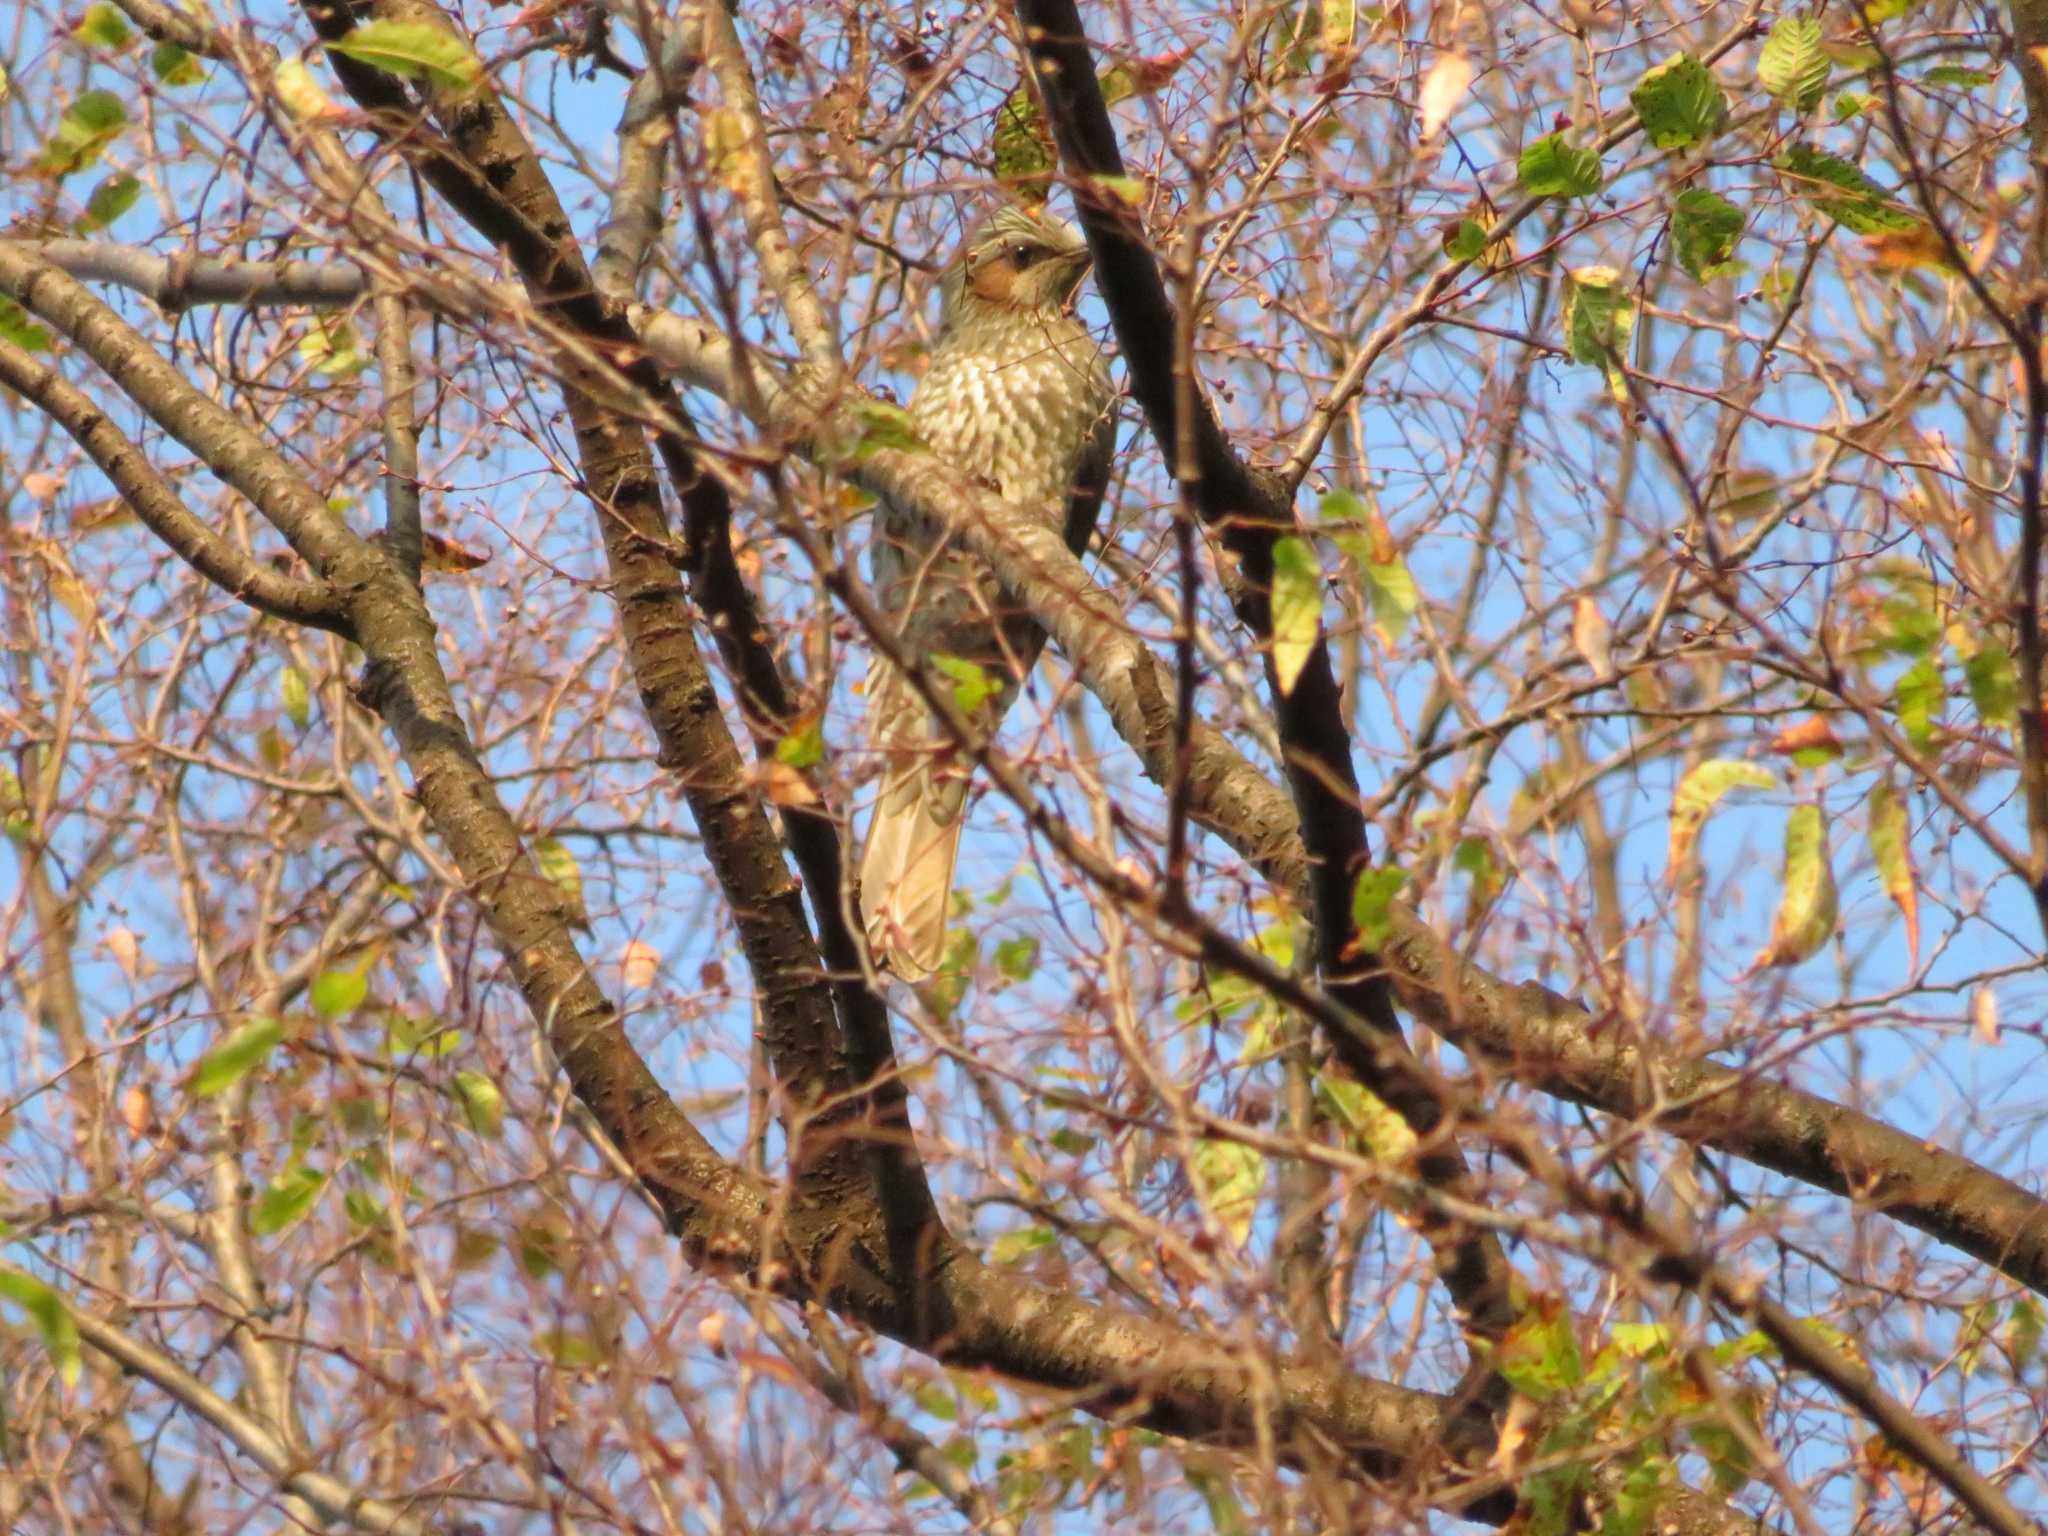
x=906 y=869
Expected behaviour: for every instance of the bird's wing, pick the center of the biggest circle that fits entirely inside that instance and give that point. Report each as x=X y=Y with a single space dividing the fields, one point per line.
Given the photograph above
x=1091 y=479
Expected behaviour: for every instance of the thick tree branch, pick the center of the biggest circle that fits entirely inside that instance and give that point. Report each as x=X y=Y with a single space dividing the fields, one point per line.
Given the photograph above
x=496 y=182
x=752 y=170
x=1535 y=1036
x=174 y=283
x=226 y=565
x=1249 y=515
x=228 y=446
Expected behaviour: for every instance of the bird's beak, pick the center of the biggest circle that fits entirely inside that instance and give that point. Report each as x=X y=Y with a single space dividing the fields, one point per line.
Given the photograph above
x=1074 y=266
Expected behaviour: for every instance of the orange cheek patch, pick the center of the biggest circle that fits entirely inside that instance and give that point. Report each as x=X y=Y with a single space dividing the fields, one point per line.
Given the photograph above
x=992 y=280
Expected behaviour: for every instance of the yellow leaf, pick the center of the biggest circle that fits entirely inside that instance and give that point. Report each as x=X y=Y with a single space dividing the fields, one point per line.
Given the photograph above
x=1231 y=1177
x=1805 y=920
x=558 y=865
x=1901 y=250
x=1698 y=793
x=1297 y=608
x=1888 y=845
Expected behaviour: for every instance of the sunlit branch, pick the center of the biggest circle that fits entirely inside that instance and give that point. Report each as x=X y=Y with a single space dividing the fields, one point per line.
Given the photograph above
x=1538 y=1037
x=1248 y=516
x=234 y=569
x=332 y=1498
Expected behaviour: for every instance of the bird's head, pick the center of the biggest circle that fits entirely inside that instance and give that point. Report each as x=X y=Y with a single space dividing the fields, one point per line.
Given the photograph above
x=1015 y=260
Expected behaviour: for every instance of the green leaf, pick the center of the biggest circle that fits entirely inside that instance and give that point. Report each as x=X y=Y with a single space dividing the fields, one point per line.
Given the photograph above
x=235 y=1057
x=1022 y=146
x=1019 y=1241
x=1539 y=1355
x=1921 y=691
x=1226 y=1512
x=174 y=66
x=329 y=347
x=1994 y=684
x=1072 y=1142
x=298 y=703
x=1372 y=904
x=110 y=199
x=1805 y=919
x=1697 y=795
x=1850 y=104
x=2023 y=1333
x=337 y=994
x=286 y=1199
x=1297 y=608
x=883 y=425
x=1639 y=1341
x=1231 y=1177
x=1910 y=619
x=570 y=1349
x=1599 y=317
x=1128 y=190
x=1474 y=857
x=1794 y=66
x=1972 y=1335
x=364 y=1209
x=1017 y=958
x=482 y=1105
x=14 y=814
x=949 y=983
x=1752 y=1345
x=88 y=126
x=104 y=27
x=1956 y=74
x=1705 y=228
x=1840 y=191
x=1552 y=168
x=1680 y=103
x=1632 y=1508
x=421 y=1038
x=16 y=326
x=415 y=50
x=559 y=868
x=1379 y=1131
x=803 y=747
x=1466 y=240
x=972 y=686
x=1727 y=1454
x=542 y=1247
x=52 y=1319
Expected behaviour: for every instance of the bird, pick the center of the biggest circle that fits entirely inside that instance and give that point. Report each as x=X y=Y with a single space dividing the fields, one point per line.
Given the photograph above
x=1018 y=396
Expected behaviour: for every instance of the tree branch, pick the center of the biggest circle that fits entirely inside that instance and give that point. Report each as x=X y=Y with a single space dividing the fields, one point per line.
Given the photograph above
x=228 y=566
x=1249 y=516
x=1533 y=1035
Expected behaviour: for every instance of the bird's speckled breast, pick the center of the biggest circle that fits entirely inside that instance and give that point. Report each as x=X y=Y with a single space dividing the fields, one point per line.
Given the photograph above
x=1012 y=397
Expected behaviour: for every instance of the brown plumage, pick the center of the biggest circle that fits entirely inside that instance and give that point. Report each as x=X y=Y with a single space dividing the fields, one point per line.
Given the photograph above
x=1018 y=395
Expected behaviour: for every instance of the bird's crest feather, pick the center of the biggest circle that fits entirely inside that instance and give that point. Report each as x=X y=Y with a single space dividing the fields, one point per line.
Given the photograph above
x=1010 y=223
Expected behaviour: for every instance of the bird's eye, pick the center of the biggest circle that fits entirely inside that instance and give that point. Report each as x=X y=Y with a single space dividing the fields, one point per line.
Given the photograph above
x=1022 y=256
